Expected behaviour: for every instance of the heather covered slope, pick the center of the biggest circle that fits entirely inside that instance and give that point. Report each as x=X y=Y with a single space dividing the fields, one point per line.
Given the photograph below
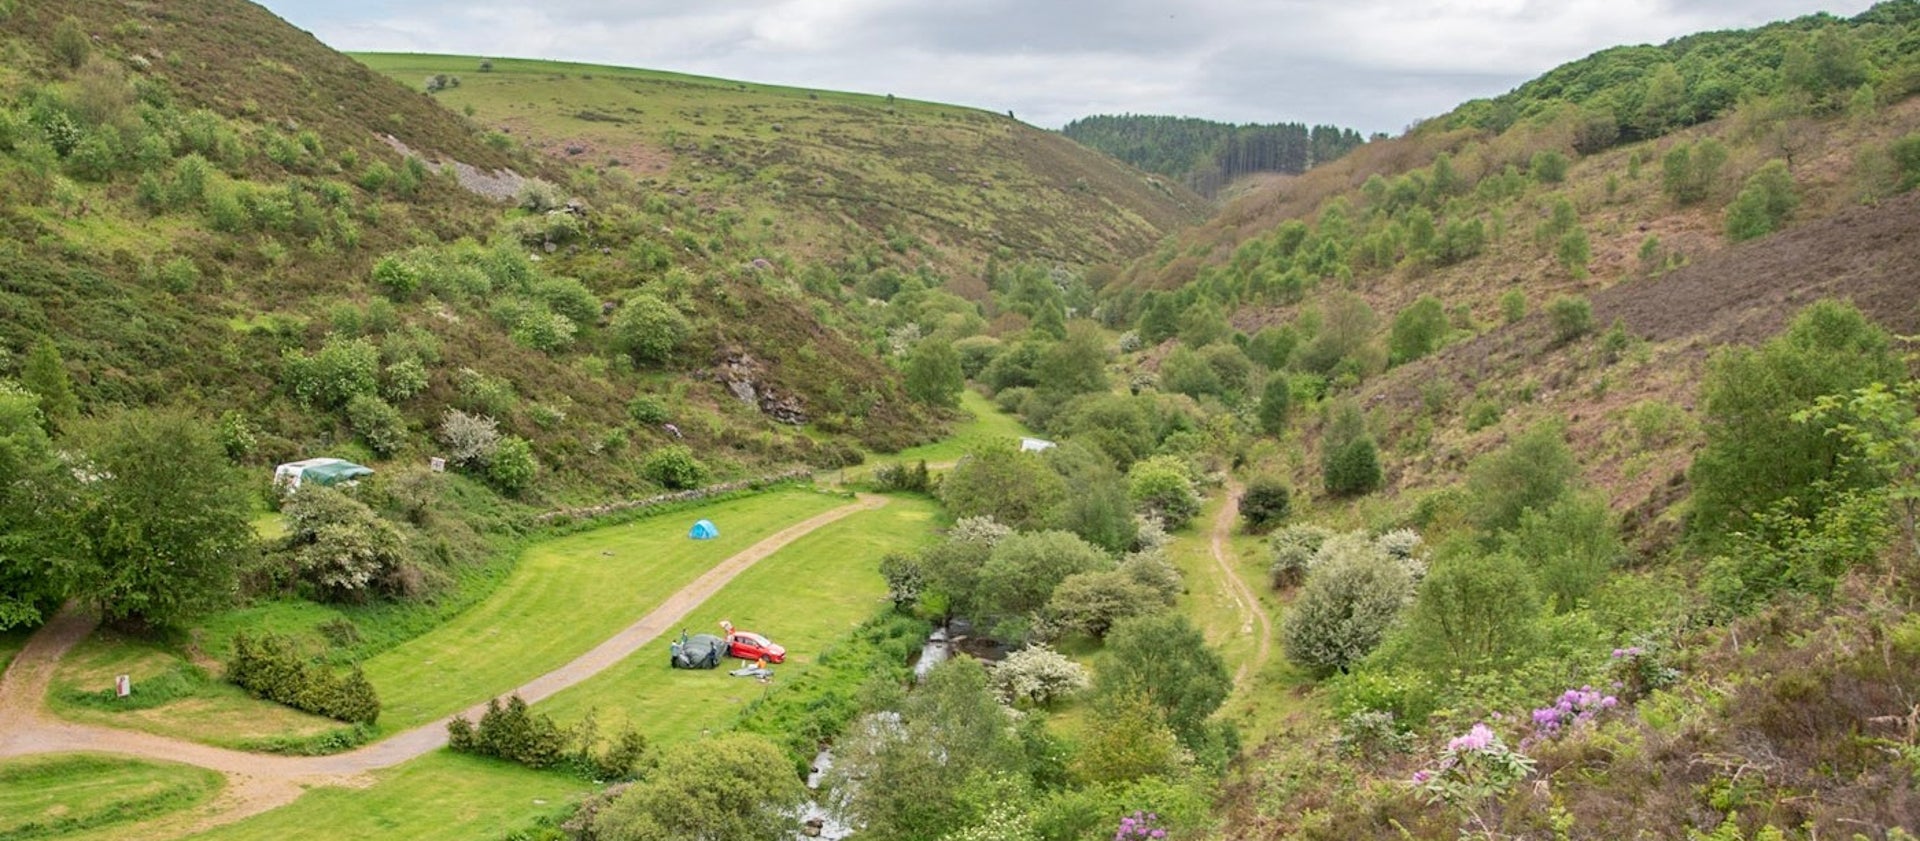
x=820 y=172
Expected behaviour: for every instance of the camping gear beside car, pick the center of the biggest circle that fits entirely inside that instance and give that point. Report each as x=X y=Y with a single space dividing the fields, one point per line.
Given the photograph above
x=699 y=651
x=704 y=530
x=752 y=671
x=320 y=471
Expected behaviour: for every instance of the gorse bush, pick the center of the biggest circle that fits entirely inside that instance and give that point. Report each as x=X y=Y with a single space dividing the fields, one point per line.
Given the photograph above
x=272 y=667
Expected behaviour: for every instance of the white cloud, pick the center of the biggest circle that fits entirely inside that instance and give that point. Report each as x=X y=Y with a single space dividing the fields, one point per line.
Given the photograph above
x=1370 y=64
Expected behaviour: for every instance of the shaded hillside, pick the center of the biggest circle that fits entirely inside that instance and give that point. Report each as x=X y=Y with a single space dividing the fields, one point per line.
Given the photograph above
x=1208 y=155
x=821 y=173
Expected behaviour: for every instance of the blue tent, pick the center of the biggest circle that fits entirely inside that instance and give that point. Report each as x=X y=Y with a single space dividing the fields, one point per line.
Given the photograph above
x=704 y=530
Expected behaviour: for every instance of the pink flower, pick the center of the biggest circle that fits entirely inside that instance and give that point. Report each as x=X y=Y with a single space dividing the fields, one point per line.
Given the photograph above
x=1479 y=738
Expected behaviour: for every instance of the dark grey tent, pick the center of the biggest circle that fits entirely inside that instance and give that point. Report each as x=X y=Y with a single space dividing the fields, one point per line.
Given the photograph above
x=700 y=651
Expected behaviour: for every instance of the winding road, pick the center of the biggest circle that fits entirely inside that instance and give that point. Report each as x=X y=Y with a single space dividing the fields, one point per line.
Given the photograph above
x=259 y=782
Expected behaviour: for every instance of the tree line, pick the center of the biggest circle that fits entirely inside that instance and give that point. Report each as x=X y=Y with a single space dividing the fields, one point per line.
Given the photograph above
x=1207 y=155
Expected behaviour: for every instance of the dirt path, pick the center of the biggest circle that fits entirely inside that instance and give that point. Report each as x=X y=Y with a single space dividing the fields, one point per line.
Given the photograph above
x=1237 y=586
x=259 y=782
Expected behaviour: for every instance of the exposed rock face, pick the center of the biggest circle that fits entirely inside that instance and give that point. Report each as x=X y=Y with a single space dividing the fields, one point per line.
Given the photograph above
x=745 y=377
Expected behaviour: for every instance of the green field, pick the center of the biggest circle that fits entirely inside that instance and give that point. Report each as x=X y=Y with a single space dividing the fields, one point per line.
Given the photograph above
x=566 y=596
x=988 y=424
x=171 y=696
x=439 y=797
x=563 y=597
x=805 y=597
x=985 y=423
x=65 y=796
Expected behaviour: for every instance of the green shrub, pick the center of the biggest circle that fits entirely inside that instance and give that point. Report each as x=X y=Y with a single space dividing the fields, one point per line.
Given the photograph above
x=545 y=331
x=396 y=278
x=1530 y=473
x=1091 y=602
x=1513 y=305
x=382 y=426
x=647 y=410
x=1905 y=153
x=1417 y=330
x=1349 y=601
x=1688 y=172
x=1571 y=316
x=1352 y=469
x=1548 y=166
x=1763 y=204
x=1265 y=503
x=71 y=46
x=1162 y=487
x=1573 y=251
x=272 y=667
x=1755 y=453
x=1571 y=544
x=903 y=477
x=674 y=467
x=405 y=378
x=648 y=329
x=511 y=732
x=512 y=467
x=1474 y=610
x=1276 y=401
x=341 y=370
x=1294 y=549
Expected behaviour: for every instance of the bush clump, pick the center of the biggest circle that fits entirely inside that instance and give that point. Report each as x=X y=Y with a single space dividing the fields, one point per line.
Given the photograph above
x=511 y=732
x=1038 y=675
x=272 y=667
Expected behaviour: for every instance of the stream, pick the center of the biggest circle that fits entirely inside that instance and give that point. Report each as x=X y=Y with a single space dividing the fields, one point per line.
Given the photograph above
x=816 y=819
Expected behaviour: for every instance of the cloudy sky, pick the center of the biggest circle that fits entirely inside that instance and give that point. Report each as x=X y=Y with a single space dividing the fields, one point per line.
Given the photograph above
x=1374 y=65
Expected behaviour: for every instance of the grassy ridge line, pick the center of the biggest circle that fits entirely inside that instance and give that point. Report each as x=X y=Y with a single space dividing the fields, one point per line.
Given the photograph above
x=431 y=63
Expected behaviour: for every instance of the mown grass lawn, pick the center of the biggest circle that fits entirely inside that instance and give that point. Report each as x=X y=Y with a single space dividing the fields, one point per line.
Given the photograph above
x=805 y=597
x=986 y=424
x=562 y=597
x=442 y=796
x=171 y=696
x=565 y=596
x=63 y=796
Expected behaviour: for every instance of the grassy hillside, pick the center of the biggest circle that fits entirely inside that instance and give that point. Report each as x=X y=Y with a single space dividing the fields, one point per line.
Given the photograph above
x=818 y=175
x=1527 y=331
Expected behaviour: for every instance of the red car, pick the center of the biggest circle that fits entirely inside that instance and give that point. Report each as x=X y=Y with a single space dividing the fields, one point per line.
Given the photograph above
x=748 y=645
